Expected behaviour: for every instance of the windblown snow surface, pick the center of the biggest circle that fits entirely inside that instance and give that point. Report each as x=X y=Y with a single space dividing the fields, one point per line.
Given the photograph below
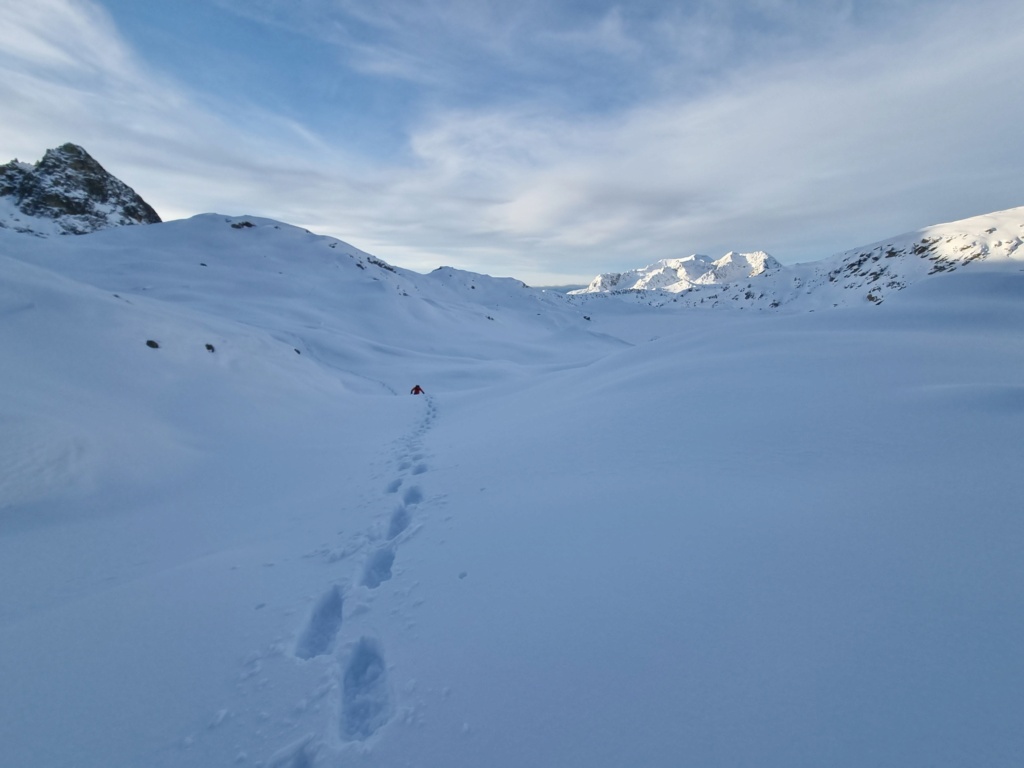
x=609 y=535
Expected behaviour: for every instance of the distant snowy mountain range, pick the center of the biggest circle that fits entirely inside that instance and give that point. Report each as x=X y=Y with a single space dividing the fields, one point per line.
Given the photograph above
x=67 y=193
x=678 y=275
x=870 y=273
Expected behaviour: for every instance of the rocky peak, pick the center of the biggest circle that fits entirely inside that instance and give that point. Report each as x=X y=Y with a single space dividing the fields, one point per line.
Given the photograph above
x=67 y=193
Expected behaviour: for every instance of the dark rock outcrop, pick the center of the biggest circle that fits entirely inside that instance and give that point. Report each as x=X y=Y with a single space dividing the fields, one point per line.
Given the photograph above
x=68 y=193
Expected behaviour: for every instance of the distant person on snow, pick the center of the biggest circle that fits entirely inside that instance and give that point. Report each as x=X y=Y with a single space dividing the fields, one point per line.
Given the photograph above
x=417 y=390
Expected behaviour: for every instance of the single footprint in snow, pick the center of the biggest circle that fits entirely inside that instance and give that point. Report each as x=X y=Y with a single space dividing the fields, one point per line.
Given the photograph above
x=419 y=469
x=400 y=520
x=394 y=485
x=378 y=567
x=365 y=702
x=323 y=626
x=413 y=495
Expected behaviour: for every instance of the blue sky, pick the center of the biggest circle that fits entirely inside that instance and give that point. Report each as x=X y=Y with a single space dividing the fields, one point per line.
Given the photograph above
x=548 y=141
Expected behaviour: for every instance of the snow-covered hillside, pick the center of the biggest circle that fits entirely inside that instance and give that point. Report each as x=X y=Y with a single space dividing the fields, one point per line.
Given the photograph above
x=868 y=274
x=610 y=534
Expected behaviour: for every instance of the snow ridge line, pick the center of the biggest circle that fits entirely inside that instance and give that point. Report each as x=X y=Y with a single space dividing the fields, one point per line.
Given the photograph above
x=366 y=703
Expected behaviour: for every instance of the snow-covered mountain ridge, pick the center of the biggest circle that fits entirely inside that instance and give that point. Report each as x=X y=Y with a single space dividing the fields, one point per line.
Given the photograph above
x=264 y=273
x=67 y=193
x=678 y=275
x=865 y=275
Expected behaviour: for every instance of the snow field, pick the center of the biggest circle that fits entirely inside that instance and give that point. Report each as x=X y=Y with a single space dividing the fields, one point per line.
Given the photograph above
x=648 y=538
x=821 y=575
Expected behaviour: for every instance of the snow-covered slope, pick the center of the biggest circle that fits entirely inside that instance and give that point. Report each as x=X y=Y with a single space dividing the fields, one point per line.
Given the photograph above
x=67 y=193
x=863 y=275
x=609 y=534
x=322 y=296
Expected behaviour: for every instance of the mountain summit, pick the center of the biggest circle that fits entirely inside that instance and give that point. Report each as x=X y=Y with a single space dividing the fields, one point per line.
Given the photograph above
x=67 y=193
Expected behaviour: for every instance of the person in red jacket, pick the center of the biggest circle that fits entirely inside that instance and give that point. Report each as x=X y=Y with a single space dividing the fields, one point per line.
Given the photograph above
x=417 y=390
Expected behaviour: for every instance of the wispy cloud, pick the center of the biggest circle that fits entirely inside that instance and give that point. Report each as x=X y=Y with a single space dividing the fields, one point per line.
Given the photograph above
x=792 y=156
x=38 y=33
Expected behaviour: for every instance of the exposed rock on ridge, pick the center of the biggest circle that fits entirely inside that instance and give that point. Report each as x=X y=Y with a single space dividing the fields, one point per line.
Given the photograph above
x=67 y=193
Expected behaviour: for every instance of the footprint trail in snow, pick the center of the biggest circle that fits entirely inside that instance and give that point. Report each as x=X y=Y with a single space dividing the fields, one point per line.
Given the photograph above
x=361 y=668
